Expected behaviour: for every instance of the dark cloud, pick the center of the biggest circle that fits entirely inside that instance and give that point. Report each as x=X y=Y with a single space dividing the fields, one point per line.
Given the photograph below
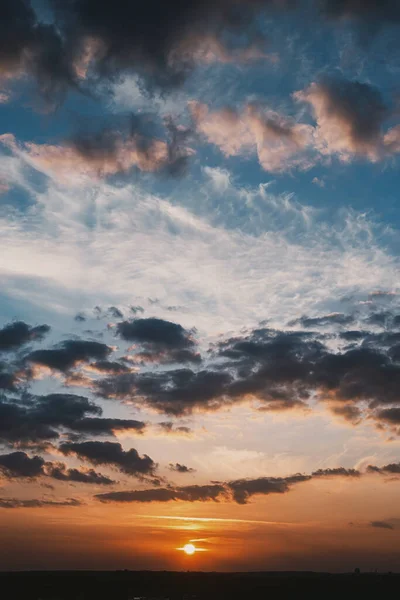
x=68 y=354
x=381 y=525
x=350 y=116
x=155 y=331
x=111 y=453
x=179 y=468
x=17 y=334
x=109 y=367
x=36 y=503
x=243 y=489
x=391 y=469
x=61 y=473
x=33 y=48
x=348 y=412
x=101 y=426
x=190 y=493
x=170 y=428
x=373 y=13
x=389 y=415
x=173 y=392
x=39 y=418
x=239 y=490
x=337 y=472
x=19 y=464
x=156 y=39
x=8 y=377
x=161 y=341
x=280 y=369
x=333 y=319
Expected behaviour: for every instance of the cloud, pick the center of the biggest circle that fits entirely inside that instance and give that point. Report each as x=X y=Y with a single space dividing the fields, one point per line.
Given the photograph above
x=281 y=369
x=162 y=341
x=239 y=490
x=61 y=473
x=243 y=489
x=190 y=493
x=20 y=465
x=111 y=453
x=169 y=428
x=103 y=425
x=36 y=503
x=324 y=321
x=374 y=13
x=39 y=418
x=15 y=335
x=391 y=469
x=381 y=525
x=159 y=41
x=68 y=354
x=350 y=117
x=174 y=392
x=179 y=468
x=337 y=472
x=280 y=142
x=28 y=47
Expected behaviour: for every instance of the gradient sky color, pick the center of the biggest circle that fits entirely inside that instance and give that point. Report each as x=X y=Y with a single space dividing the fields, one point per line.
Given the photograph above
x=199 y=300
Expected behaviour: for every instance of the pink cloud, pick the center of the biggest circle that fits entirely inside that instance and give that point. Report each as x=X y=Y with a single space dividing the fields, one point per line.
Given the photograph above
x=279 y=142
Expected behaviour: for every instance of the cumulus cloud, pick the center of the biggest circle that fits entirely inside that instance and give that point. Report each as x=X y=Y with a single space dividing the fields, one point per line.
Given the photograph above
x=93 y=156
x=112 y=454
x=17 y=334
x=281 y=369
x=161 y=341
x=279 y=142
x=20 y=465
x=68 y=354
x=40 y=418
x=350 y=116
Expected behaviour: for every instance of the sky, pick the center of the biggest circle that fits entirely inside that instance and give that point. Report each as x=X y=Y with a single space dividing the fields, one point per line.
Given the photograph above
x=199 y=300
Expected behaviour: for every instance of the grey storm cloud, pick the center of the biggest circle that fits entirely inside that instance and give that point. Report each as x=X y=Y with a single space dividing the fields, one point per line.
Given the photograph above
x=17 y=334
x=112 y=454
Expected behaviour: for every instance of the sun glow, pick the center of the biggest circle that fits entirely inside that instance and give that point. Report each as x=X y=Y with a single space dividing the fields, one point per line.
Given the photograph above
x=189 y=549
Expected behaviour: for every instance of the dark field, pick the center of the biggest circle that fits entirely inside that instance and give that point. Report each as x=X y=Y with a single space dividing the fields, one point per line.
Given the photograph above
x=130 y=585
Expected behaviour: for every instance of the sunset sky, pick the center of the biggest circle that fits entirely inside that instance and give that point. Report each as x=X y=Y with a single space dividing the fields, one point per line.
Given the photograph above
x=200 y=299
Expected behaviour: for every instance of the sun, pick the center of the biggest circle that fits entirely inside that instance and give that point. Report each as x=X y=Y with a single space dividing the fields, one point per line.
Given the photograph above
x=189 y=549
